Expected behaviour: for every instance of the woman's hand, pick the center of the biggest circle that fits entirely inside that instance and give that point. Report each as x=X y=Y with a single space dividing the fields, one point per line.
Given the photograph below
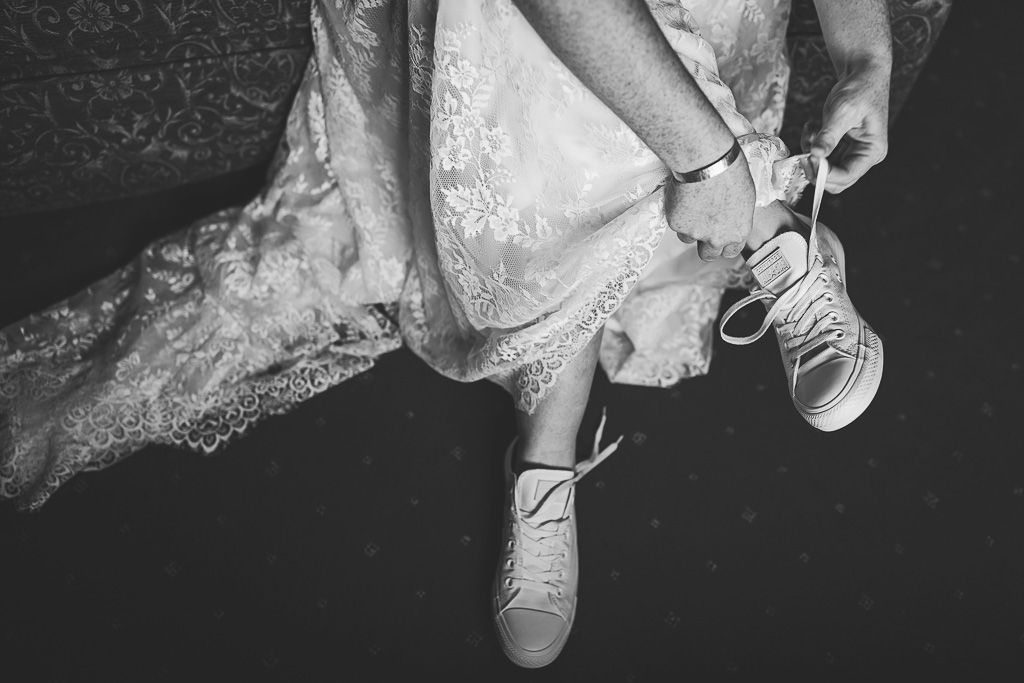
x=856 y=109
x=717 y=213
x=856 y=115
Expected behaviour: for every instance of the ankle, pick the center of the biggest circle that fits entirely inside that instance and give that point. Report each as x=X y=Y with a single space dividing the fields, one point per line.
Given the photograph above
x=769 y=221
x=552 y=456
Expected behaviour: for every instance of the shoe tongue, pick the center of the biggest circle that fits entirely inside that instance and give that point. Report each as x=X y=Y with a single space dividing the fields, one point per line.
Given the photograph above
x=531 y=486
x=780 y=262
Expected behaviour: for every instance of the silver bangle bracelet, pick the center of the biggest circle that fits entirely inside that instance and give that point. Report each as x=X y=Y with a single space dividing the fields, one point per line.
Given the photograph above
x=716 y=167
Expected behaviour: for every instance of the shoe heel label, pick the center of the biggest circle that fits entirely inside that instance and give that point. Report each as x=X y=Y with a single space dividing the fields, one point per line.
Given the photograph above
x=771 y=268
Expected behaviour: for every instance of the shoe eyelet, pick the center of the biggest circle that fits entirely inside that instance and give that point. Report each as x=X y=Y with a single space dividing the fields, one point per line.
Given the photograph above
x=834 y=316
x=561 y=574
x=511 y=544
x=559 y=593
x=509 y=563
x=564 y=555
x=508 y=582
x=840 y=334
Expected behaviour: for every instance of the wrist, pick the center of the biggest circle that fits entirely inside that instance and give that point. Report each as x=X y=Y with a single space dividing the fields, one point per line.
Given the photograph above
x=874 y=65
x=710 y=170
x=688 y=145
x=698 y=149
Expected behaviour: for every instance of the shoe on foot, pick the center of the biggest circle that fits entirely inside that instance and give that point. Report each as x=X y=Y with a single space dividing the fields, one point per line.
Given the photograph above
x=538 y=571
x=832 y=357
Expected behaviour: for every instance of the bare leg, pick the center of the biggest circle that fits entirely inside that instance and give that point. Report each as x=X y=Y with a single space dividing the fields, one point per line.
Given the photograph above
x=548 y=436
x=769 y=221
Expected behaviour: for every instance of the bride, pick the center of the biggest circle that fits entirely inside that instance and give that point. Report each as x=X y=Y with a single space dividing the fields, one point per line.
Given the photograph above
x=490 y=183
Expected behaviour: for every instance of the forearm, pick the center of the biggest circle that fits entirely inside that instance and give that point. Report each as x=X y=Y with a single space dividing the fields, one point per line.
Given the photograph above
x=617 y=50
x=857 y=33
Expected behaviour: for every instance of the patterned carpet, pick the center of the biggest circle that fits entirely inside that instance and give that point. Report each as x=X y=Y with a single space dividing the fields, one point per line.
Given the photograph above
x=355 y=539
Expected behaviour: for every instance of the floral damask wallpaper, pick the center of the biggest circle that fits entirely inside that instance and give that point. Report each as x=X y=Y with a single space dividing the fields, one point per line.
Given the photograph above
x=108 y=98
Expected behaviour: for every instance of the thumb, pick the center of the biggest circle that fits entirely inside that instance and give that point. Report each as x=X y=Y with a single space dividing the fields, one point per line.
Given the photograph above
x=836 y=124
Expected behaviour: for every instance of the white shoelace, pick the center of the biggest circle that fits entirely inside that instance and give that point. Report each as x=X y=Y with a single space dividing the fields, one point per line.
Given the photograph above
x=542 y=545
x=801 y=314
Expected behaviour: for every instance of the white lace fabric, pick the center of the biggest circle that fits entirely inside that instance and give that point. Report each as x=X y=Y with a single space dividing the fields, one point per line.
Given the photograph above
x=443 y=181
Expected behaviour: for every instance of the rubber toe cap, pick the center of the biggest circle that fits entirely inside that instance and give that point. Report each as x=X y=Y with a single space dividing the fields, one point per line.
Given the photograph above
x=531 y=630
x=820 y=386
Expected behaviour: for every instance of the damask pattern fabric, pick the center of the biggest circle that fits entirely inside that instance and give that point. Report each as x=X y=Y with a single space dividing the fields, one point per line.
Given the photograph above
x=440 y=168
x=916 y=25
x=101 y=99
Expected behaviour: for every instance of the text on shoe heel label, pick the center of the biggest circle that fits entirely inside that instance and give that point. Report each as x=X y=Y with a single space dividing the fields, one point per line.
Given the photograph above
x=771 y=268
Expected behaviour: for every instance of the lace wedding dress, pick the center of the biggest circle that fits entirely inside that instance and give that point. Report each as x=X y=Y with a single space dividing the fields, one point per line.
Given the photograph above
x=444 y=181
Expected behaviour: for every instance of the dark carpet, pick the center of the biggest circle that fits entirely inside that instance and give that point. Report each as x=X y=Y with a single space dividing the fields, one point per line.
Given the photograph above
x=355 y=538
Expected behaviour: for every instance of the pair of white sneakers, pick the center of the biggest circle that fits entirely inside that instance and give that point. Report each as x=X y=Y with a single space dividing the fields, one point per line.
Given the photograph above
x=833 y=363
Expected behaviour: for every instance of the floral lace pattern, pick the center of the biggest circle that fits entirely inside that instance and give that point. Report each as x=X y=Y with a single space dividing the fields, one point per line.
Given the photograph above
x=444 y=181
x=749 y=39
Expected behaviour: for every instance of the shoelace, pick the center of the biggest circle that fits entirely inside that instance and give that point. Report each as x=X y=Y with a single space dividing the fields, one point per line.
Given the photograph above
x=801 y=314
x=542 y=544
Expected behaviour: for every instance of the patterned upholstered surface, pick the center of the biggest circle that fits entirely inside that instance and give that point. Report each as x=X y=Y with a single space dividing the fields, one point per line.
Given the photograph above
x=106 y=99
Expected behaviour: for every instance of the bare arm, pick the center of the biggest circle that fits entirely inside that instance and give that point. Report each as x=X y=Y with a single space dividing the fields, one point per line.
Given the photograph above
x=859 y=40
x=617 y=50
x=856 y=32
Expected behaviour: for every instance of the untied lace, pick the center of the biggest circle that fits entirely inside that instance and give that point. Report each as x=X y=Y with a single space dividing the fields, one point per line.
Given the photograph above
x=800 y=313
x=542 y=544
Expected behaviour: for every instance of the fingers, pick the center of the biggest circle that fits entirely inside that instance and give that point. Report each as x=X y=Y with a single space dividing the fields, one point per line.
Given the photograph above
x=810 y=168
x=850 y=166
x=706 y=252
x=807 y=133
x=733 y=250
x=823 y=143
x=838 y=120
x=850 y=159
x=845 y=173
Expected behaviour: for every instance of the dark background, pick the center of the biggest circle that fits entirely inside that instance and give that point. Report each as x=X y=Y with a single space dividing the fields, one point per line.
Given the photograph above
x=355 y=538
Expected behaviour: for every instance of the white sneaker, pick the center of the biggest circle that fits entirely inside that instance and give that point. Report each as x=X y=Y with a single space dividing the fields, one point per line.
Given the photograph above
x=538 y=572
x=833 y=358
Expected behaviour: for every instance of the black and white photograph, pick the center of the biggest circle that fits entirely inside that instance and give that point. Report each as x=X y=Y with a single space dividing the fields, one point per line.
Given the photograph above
x=511 y=340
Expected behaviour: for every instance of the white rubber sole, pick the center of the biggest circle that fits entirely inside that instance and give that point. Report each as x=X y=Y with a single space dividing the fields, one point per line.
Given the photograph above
x=529 y=659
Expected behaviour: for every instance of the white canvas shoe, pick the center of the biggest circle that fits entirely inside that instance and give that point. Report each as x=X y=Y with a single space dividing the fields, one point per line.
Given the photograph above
x=832 y=357
x=538 y=572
